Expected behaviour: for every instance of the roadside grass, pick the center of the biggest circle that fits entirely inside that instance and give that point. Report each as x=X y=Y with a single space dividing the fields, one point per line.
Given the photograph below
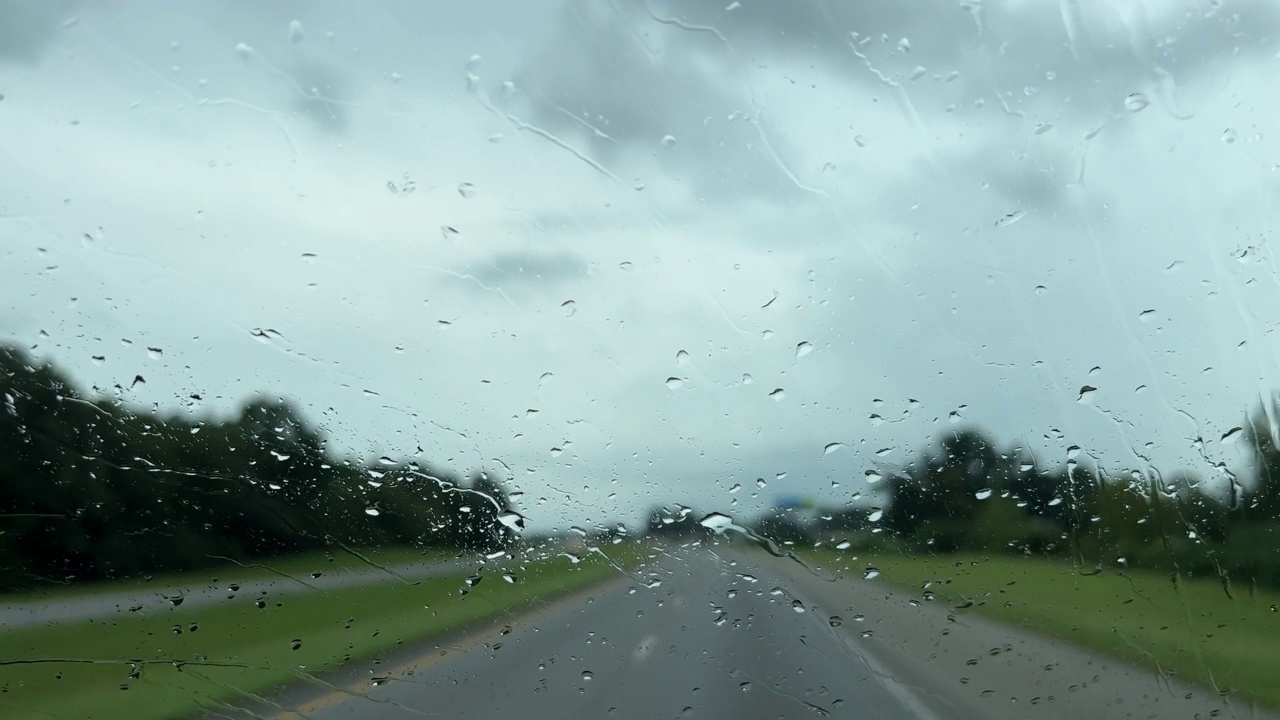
x=303 y=567
x=1190 y=627
x=174 y=663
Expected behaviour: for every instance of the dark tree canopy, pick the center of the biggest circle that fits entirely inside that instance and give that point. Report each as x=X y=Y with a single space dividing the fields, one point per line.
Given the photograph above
x=965 y=493
x=92 y=490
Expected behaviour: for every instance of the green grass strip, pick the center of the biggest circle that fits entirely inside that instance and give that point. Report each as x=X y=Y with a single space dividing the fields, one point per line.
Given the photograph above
x=175 y=662
x=303 y=567
x=1189 y=627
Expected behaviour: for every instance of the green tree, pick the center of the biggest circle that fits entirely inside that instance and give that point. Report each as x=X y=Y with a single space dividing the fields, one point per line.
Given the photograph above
x=91 y=489
x=948 y=482
x=1261 y=499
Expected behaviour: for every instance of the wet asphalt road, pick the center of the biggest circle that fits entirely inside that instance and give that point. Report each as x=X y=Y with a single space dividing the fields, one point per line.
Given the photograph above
x=167 y=596
x=727 y=634
x=706 y=642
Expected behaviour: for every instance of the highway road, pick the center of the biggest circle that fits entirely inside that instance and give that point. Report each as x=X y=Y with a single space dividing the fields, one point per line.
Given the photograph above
x=167 y=596
x=714 y=632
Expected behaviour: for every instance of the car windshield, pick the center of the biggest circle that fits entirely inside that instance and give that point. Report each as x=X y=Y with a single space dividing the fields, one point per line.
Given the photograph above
x=639 y=359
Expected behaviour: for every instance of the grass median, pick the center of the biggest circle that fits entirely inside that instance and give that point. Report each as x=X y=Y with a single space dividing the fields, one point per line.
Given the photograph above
x=303 y=567
x=1189 y=627
x=175 y=662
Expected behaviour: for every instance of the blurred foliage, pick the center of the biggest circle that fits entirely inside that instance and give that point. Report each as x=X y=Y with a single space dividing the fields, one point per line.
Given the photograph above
x=92 y=490
x=674 y=522
x=964 y=493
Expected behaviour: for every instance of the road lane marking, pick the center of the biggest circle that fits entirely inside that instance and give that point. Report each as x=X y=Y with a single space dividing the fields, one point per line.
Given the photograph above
x=917 y=707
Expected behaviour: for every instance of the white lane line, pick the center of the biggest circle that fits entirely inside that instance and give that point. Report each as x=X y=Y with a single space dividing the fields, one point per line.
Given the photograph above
x=917 y=708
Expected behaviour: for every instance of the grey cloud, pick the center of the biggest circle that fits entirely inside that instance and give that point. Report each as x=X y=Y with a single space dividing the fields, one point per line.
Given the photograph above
x=1085 y=45
x=28 y=27
x=628 y=73
x=1026 y=185
x=535 y=270
x=607 y=83
x=1021 y=181
x=319 y=94
x=937 y=31
x=947 y=317
x=593 y=77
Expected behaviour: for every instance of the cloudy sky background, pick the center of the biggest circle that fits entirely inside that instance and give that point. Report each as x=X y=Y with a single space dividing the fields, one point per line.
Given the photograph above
x=582 y=243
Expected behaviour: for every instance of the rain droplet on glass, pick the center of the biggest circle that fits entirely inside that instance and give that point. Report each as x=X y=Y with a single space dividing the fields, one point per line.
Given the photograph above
x=1011 y=218
x=1136 y=102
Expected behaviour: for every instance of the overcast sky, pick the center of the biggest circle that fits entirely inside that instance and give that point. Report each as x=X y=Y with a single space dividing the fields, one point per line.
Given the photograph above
x=625 y=252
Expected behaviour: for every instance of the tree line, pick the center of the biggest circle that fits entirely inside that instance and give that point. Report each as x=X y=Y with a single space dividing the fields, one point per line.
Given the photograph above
x=966 y=493
x=91 y=489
